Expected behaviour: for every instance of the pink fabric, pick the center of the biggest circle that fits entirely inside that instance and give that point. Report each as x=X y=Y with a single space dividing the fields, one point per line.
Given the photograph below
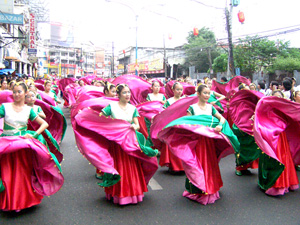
x=70 y=93
x=98 y=131
x=150 y=109
x=188 y=89
x=280 y=191
x=201 y=198
x=182 y=139
x=274 y=115
x=39 y=86
x=63 y=83
x=126 y=200
x=175 y=111
x=242 y=108
x=87 y=92
x=53 y=118
x=46 y=98
x=224 y=88
x=96 y=104
x=46 y=179
x=139 y=87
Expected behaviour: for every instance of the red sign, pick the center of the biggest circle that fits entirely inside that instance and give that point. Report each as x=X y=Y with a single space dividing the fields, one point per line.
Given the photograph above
x=32 y=32
x=68 y=65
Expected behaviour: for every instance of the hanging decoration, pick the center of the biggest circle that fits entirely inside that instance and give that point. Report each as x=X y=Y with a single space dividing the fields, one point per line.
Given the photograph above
x=196 y=32
x=241 y=17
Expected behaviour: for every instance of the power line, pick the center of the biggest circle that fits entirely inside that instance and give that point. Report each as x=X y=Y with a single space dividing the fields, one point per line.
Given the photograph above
x=244 y=35
x=206 y=4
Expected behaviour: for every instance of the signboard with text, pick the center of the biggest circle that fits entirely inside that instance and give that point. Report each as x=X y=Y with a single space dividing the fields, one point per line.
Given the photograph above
x=32 y=35
x=11 y=19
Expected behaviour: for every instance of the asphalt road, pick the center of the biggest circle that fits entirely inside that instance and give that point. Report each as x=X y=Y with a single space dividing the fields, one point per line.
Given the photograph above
x=82 y=201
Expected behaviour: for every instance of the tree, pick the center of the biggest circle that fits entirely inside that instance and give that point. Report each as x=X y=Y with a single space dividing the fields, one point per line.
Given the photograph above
x=220 y=63
x=254 y=53
x=198 y=47
x=286 y=64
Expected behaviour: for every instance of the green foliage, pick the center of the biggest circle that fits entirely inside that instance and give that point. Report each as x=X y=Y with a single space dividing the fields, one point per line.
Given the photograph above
x=255 y=54
x=287 y=64
x=220 y=63
x=197 y=49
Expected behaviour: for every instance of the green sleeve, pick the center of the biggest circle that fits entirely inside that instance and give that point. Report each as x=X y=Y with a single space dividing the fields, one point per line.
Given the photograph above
x=39 y=109
x=167 y=104
x=136 y=114
x=107 y=110
x=55 y=97
x=148 y=98
x=32 y=115
x=164 y=98
x=38 y=96
x=214 y=111
x=191 y=110
x=2 y=111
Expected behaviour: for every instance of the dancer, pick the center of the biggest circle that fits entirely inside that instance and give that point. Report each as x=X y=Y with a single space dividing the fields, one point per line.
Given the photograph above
x=4 y=85
x=31 y=97
x=156 y=96
x=110 y=90
x=197 y=141
x=28 y=169
x=277 y=173
x=132 y=185
x=167 y=158
x=51 y=93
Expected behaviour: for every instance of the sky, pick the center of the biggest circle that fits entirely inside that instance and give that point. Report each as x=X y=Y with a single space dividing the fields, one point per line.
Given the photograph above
x=107 y=21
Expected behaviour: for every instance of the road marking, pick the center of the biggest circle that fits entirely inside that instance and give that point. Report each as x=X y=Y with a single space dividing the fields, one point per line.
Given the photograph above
x=154 y=185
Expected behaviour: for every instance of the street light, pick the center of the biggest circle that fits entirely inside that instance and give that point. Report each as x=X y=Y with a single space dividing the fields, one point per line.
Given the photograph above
x=136 y=29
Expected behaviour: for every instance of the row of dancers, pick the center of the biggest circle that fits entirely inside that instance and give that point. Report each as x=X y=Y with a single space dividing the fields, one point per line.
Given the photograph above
x=122 y=128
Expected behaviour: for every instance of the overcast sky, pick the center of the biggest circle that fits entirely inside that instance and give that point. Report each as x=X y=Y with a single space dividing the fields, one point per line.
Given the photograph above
x=102 y=21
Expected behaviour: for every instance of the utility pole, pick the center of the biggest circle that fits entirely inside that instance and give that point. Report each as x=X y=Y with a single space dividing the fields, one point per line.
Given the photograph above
x=210 y=61
x=165 y=59
x=230 y=70
x=113 y=60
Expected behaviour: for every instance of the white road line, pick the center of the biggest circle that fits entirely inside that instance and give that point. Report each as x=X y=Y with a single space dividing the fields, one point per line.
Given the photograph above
x=154 y=185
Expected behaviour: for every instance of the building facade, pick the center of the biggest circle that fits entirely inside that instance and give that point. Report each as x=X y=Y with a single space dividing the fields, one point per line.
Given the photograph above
x=154 y=62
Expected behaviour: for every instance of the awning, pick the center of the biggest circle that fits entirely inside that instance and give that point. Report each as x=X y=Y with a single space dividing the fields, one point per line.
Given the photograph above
x=11 y=54
x=6 y=71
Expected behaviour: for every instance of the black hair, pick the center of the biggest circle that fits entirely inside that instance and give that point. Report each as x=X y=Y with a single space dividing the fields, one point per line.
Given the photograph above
x=47 y=82
x=287 y=85
x=120 y=87
x=23 y=85
x=262 y=85
x=154 y=82
x=241 y=86
x=274 y=83
x=277 y=91
x=3 y=81
x=224 y=79
x=201 y=87
x=174 y=85
x=108 y=86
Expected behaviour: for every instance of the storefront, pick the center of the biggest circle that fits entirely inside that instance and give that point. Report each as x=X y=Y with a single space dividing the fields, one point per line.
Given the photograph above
x=152 y=68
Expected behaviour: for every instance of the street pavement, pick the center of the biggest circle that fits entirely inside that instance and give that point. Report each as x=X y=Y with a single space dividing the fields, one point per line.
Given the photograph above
x=82 y=201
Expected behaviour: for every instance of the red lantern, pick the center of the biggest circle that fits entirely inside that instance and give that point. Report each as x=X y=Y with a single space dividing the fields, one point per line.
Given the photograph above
x=241 y=17
x=124 y=52
x=109 y=63
x=196 y=32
